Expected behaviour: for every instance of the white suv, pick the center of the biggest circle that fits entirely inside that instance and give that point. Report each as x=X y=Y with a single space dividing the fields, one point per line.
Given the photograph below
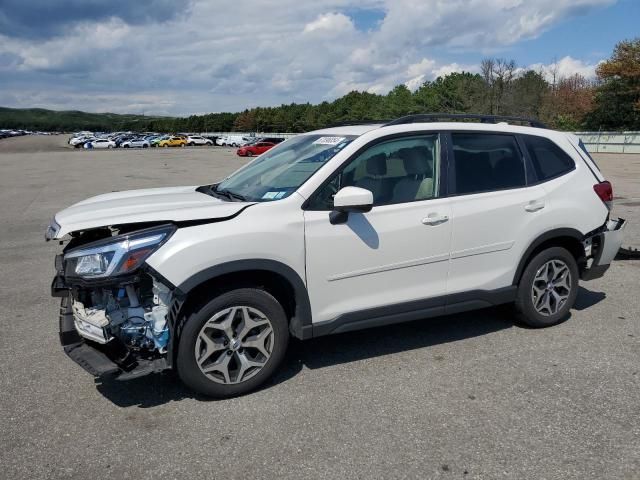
x=193 y=140
x=330 y=231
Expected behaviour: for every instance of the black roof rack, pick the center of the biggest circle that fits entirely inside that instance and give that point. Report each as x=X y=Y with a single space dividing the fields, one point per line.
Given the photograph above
x=348 y=123
x=437 y=117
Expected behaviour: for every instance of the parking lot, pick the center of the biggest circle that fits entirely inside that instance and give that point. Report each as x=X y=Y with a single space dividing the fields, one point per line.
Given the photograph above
x=465 y=396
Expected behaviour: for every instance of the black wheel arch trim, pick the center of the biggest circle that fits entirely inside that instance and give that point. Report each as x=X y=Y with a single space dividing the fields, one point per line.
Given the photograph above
x=545 y=237
x=300 y=325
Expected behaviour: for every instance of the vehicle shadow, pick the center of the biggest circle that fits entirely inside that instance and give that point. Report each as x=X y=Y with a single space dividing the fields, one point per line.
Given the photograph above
x=161 y=388
x=588 y=298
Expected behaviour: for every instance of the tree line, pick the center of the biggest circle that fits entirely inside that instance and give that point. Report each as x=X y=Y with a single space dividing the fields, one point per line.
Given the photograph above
x=611 y=101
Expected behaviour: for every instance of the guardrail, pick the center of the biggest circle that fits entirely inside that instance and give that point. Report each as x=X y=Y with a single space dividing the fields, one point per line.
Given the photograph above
x=611 y=142
x=248 y=134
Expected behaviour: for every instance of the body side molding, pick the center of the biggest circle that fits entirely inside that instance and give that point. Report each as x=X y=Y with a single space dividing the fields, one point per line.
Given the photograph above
x=415 y=310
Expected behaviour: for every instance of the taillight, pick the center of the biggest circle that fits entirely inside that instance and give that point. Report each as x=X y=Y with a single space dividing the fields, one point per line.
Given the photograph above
x=604 y=190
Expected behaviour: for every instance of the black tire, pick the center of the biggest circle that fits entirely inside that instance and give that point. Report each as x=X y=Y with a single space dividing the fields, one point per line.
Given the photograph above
x=249 y=154
x=144 y=145
x=524 y=300
x=187 y=366
x=191 y=144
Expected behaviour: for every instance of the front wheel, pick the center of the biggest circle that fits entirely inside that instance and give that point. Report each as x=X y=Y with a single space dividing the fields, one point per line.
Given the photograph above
x=548 y=288
x=233 y=344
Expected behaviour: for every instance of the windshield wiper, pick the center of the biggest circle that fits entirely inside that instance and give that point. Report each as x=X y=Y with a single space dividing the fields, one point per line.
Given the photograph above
x=229 y=194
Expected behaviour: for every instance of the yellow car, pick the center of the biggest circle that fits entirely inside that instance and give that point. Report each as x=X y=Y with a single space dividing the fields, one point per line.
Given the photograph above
x=173 y=141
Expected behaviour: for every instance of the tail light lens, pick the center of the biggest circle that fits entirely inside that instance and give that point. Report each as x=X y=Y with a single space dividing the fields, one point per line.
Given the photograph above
x=604 y=190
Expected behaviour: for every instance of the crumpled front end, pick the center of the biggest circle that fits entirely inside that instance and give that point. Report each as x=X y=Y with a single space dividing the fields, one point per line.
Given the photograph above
x=122 y=329
x=115 y=312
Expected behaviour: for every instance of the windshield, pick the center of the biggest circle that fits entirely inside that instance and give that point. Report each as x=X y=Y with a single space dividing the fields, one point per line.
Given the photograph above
x=280 y=171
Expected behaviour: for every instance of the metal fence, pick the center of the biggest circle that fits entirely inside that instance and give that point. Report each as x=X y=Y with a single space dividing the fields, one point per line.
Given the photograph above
x=611 y=142
x=248 y=134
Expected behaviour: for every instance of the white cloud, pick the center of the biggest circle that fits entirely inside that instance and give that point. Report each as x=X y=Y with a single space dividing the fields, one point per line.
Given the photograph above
x=330 y=22
x=253 y=53
x=565 y=67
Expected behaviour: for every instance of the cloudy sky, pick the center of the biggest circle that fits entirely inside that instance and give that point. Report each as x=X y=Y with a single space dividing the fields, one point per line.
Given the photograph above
x=180 y=57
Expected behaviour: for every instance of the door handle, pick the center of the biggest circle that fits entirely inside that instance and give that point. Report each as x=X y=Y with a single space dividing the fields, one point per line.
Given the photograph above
x=534 y=206
x=435 y=219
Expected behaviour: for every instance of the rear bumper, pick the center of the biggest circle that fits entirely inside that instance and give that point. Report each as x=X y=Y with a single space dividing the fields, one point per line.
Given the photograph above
x=607 y=243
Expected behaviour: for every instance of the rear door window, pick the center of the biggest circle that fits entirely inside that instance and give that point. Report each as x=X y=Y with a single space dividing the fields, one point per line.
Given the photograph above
x=485 y=162
x=548 y=159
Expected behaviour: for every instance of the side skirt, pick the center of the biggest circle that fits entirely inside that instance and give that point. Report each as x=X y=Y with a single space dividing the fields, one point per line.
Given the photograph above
x=416 y=310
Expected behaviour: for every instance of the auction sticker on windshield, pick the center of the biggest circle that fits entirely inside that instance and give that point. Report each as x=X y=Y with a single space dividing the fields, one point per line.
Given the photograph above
x=274 y=195
x=329 y=140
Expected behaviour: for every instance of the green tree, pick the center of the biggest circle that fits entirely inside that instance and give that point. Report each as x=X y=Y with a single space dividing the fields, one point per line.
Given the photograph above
x=526 y=94
x=617 y=99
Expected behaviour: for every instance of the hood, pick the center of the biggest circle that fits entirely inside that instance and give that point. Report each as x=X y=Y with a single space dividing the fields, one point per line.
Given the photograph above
x=148 y=205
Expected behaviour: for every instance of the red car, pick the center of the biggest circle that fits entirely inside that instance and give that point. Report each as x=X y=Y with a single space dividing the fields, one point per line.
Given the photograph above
x=255 y=149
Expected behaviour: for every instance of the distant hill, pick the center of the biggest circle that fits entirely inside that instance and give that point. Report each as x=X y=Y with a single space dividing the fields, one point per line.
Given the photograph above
x=73 y=120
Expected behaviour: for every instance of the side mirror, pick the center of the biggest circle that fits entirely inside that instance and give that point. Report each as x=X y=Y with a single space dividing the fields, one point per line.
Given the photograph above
x=350 y=199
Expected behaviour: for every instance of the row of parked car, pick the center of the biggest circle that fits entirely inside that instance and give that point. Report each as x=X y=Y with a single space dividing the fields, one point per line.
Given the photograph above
x=248 y=146
x=8 y=133
x=130 y=140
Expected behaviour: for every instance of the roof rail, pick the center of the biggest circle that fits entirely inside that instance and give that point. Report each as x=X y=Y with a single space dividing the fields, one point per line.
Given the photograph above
x=348 y=123
x=436 y=117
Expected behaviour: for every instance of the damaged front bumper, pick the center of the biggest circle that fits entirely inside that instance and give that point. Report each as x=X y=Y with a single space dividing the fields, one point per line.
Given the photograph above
x=86 y=338
x=602 y=248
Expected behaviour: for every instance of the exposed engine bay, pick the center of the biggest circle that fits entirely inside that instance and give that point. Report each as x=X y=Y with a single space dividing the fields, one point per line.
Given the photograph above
x=135 y=314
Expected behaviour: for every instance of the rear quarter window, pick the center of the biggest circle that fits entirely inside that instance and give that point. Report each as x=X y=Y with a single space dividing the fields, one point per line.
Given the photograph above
x=548 y=159
x=583 y=147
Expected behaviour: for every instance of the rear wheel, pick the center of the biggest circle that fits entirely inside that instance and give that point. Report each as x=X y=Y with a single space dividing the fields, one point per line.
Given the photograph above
x=249 y=153
x=233 y=344
x=548 y=288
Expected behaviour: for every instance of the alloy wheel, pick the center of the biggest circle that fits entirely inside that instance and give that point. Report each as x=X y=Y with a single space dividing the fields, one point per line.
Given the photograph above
x=234 y=344
x=551 y=287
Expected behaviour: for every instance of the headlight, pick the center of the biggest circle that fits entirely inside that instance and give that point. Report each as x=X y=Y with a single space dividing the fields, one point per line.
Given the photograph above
x=116 y=255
